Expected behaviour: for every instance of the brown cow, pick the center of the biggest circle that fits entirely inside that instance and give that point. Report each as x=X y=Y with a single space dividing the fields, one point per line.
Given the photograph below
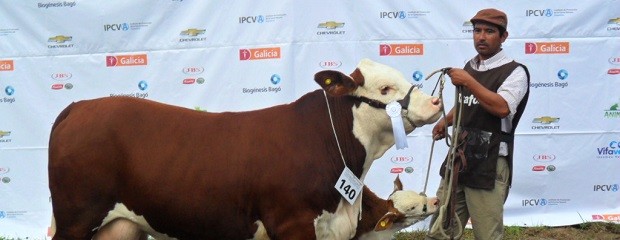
x=185 y=174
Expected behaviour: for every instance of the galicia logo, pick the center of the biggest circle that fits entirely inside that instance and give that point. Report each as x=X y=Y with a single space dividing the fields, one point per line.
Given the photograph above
x=143 y=85
x=614 y=60
x=547 y=48
x=6 y=65
x=9 y=90
x=562 y=74
x=259 y=53
x=606 y=217
x=126 y=60
x=275 y=79
x=401 y=49
x=417 y=76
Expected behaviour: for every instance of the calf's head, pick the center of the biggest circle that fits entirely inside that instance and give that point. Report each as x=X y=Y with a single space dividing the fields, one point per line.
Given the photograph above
x=376 y=85
x=405 y=208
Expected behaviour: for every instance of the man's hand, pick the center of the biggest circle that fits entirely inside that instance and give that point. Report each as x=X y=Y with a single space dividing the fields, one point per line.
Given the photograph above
x=460 y=77
x=439 y=131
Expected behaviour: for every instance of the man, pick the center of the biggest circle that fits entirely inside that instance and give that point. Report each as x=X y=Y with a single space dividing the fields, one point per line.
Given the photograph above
x=494 y=92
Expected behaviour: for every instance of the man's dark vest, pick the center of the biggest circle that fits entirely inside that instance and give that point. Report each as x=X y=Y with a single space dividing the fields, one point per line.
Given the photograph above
x=481 y=173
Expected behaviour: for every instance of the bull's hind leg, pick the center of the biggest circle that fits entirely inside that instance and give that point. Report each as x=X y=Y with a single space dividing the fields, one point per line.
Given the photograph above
x=76 y=222
x=79 y=206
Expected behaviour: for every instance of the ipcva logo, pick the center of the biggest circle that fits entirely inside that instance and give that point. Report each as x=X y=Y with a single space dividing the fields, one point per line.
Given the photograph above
x=534 y=202
x=394 y=15
x=606 y=188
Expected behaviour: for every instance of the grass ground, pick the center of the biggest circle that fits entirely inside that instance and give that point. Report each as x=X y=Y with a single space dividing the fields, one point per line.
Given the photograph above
x=585 y=231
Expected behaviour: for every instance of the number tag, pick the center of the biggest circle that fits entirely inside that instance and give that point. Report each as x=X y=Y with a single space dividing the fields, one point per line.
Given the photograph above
x=349 y=186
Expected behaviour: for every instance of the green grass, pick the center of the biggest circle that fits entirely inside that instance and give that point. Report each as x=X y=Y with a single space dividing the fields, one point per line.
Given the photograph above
x=584 y=231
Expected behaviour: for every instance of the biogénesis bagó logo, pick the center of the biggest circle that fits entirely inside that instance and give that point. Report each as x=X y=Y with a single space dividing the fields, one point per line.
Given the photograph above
x=611 y=150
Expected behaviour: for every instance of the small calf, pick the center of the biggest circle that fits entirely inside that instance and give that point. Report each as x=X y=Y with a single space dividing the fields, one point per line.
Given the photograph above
x=403 y=208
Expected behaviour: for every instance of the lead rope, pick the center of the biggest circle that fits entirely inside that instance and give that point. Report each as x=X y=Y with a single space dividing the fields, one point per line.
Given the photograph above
x=331 y=120
x=451 y=142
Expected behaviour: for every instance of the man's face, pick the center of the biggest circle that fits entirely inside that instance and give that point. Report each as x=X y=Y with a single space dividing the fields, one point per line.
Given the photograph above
x=487 y=40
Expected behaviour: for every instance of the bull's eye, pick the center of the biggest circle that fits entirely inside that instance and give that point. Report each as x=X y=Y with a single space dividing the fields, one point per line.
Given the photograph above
x=385 y=90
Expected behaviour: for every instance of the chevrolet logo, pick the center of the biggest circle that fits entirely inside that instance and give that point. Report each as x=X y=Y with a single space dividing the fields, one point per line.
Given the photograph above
x=330 y=25
x=60 y=39
x=614 y=21
x=546 y=120
x=467 y=24
x=193 y=32
x=4 y=133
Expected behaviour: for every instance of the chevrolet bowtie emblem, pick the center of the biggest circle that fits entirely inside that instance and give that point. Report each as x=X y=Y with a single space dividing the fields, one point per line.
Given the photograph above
x=4 y=133
x=193 y=32
x=60 y=39
x=331 y=25
x=614 y=21
x=546 y=120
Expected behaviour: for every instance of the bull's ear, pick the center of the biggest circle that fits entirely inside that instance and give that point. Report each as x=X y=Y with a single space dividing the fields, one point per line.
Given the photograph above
x=386 y=221
x=335 y=83
x=398 y=185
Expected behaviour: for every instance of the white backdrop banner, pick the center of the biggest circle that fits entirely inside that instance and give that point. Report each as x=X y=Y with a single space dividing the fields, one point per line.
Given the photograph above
x=243 y=55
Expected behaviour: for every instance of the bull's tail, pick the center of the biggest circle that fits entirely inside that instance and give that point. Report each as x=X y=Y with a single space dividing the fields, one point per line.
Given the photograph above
x=62 y=116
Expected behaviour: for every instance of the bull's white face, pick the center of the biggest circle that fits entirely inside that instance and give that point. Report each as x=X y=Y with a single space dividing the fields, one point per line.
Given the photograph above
x=380 y=83
x=372 y=125
x=386 y=84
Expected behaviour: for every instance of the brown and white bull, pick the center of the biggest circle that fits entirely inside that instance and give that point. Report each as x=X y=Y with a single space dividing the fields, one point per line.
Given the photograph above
x=185 y=174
